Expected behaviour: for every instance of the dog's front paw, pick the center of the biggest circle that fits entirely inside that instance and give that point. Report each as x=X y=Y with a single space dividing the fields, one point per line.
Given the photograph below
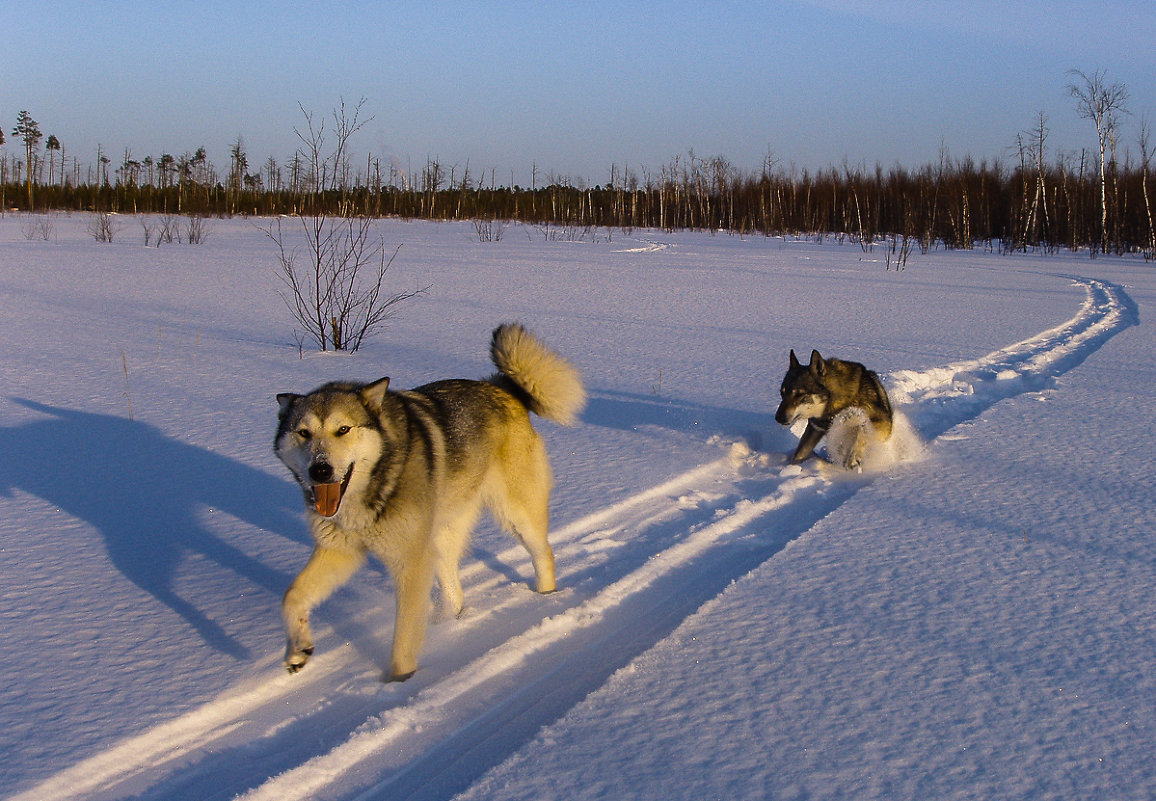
x=295 y=660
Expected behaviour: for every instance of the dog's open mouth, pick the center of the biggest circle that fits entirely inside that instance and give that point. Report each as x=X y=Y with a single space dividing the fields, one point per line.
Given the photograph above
x=327 y=497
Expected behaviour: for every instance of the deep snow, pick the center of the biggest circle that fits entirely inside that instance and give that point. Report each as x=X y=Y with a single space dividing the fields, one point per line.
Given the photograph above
x=974 y=620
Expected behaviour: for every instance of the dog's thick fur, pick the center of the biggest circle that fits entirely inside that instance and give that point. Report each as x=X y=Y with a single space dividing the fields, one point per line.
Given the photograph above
x=405 y=475
x=820 y=391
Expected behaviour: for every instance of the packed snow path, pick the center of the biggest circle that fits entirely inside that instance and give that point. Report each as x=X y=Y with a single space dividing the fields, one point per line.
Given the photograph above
x=516 y=661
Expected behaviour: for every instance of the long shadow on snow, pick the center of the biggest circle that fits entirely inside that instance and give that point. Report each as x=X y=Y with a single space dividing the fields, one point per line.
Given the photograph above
x=142 y=491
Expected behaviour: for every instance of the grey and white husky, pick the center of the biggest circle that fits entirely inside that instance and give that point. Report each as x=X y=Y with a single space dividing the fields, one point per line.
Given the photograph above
x=405 y=475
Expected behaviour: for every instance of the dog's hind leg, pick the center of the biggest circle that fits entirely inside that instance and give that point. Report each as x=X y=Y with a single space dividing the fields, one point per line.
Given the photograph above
x=523 y=509
x=530 y=528
x=517 y=492
x=450 y=545
x=326 y=570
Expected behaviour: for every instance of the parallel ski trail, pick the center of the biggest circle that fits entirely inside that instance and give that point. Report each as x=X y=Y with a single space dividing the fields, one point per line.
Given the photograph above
x=380 y=743
x=1106 y=310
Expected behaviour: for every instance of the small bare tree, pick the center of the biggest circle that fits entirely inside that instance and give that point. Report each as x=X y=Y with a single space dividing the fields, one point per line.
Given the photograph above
x=38 y=226
x=1102 y=103
x=196 y=229
x=337 y=291
x=102 y=228
x=169 y=229
x=148 y=228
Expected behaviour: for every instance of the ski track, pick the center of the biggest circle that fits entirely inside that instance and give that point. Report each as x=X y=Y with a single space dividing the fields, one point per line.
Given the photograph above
x=637 y=568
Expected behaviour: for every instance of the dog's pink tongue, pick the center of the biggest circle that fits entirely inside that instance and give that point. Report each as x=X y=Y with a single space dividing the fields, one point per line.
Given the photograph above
x=326 y=498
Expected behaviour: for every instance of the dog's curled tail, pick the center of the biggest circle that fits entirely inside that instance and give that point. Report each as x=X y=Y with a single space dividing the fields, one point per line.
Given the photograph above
x=549 y=385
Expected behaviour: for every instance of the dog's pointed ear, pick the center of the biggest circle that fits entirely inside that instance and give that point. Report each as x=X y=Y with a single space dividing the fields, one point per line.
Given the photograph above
x=817 y=365
x=286 y=400
x=373 y=395
x=794 y=359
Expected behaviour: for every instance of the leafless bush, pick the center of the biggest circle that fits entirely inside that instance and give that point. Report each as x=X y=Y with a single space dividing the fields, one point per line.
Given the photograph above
x=169 y=230
x=489 y=230
x=148 y=227
x=103 y=227
x=196 y=230
x=337 y=292
x=38 y=226
x=567 y=233
x=898 y=248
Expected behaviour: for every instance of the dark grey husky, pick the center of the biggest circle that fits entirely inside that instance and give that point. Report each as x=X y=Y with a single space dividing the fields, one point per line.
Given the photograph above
x=823 y=390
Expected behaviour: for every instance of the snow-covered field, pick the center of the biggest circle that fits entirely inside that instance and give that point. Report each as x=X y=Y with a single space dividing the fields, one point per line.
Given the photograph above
x=974 y=620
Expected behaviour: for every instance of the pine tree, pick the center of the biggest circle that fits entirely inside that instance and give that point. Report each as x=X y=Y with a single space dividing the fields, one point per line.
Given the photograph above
x=52 y=145
x=28 y=130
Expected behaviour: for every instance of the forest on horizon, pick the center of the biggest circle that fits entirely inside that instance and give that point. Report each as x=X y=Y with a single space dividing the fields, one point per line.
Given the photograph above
x=1033 y=198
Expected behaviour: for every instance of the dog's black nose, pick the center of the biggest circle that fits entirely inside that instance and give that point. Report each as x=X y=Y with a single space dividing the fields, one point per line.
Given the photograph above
x=321 y=472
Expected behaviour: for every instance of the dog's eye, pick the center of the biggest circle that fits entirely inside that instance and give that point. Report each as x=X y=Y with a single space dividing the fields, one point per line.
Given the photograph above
x=304 y=433
x=342 y=431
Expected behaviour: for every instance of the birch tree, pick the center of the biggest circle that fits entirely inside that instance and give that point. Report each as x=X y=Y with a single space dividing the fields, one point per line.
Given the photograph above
x=1145 y=163
x=1102 y=103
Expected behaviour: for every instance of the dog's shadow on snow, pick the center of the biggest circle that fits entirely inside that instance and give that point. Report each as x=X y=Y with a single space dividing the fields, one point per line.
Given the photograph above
x=143 y=492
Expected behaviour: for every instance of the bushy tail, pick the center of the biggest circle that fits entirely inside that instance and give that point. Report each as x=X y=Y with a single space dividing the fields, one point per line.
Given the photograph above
x=549 y=385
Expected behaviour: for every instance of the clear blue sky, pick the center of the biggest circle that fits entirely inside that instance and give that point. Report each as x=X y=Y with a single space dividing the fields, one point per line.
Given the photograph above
x=573 y=87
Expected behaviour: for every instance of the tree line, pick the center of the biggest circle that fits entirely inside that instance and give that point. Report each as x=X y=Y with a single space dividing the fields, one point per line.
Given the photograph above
x=1033 y=198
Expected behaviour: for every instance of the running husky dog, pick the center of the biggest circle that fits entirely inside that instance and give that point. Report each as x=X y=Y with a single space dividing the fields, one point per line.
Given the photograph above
x=827 y=389
x=405 y=475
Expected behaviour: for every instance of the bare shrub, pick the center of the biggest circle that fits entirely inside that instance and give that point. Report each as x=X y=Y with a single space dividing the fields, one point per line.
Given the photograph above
x=898 y=248
x=489 y=230
x=337 y=292
x=567 y=233
x=148 y=228
x=103 y=227
x=38 y=226
x=196 y=230
x=169 y=230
